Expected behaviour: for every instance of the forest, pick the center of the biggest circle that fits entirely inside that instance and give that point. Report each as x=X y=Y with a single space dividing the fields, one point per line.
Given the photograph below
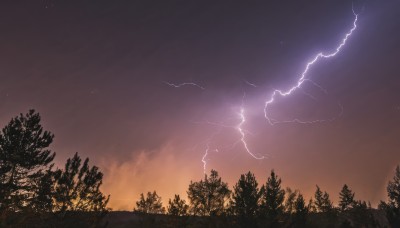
x=36 y=193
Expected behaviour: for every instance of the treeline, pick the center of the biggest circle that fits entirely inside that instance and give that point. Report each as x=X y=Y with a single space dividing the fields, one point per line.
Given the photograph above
x=34 y=193
x=269 y=205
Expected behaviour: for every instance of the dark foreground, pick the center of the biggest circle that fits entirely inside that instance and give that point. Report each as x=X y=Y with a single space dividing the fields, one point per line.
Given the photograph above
x=122 y=219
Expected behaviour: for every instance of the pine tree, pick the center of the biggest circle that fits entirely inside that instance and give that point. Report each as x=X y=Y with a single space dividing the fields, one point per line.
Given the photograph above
x=273 y=197
x=44 y=192
x=177 y=206
x=24 y=157
x=346 y=197
x=318 y=199
x=246 y=199
x=322 y=201
x=311 y=206
x=152 y=204
x=209 y=196
x=301 y=212
x=290 y=200
x=77 y=187
x=393 y=189
x=392 y=206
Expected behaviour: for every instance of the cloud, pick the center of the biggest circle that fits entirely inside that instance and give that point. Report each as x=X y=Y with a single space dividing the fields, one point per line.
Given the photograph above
x=163 y=170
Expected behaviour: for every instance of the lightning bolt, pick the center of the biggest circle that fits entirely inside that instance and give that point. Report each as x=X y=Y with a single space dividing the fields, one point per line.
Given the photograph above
x=203 y=159
x=242 y=133
x=184 y=84
x=241 y=140
x=276 y=92
x=303 y=75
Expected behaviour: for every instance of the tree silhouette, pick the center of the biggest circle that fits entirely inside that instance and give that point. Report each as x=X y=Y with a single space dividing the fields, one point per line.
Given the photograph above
x=44 y=192
x=290 y=200
x=24 y=157
x=152 y=204
x=177 y=206
x=77 y=187
x=272 y=200
x=322 y=201
x=311 y=206
x=393 y=189
x=346 y=198
x=246 y=199
x=301 y=212
x=392 y=207
x=209 y=196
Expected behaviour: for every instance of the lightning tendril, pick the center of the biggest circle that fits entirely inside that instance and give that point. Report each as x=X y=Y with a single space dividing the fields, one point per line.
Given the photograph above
x=184 y=84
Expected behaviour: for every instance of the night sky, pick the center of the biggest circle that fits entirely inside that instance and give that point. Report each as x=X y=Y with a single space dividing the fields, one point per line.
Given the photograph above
x=96 y=71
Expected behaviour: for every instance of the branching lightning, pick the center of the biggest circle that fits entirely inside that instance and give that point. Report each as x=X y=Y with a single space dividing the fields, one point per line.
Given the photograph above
x=238 y=127
x=184 y=84
x=276 y=92
x=303 y=78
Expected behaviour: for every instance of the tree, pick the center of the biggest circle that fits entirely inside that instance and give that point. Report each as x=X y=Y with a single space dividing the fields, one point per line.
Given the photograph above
x=346 y=197
x=24 y=155
x=77 y=187
x=392 y=206
x=290 y=200
x=273 y=197
x=246 y=199
x=44 y=192
x=311 y=206
x=301 y=212
x=209 y=196
x=393 y=189
x=152 y=204
x=322 y=201
x=177 y=206
x=360 y=205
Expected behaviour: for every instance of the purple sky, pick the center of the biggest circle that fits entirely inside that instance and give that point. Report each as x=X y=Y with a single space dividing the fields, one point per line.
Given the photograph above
x=95 y=70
